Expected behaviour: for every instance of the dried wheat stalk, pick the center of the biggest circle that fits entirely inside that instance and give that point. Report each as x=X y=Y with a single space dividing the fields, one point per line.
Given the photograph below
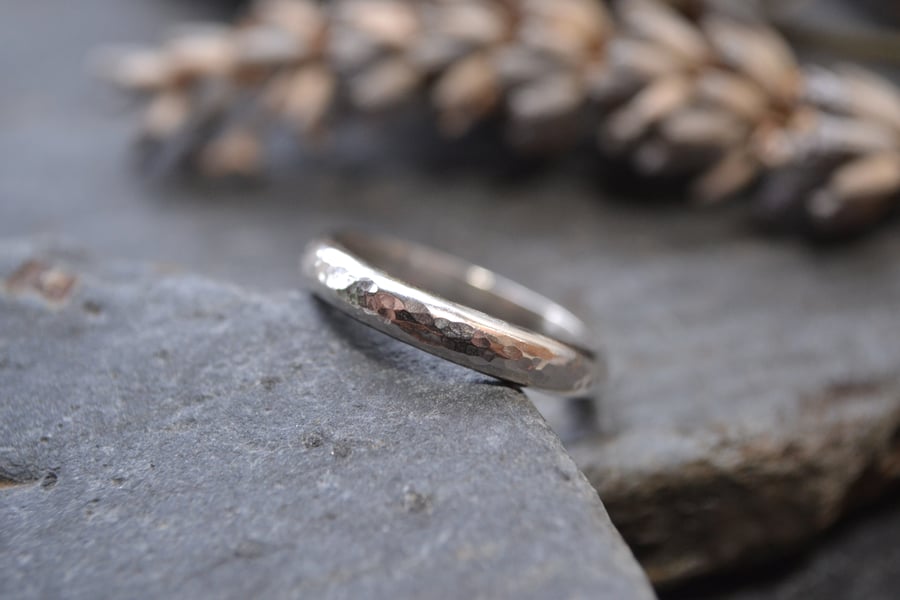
x=718 y=100
x=723 y=102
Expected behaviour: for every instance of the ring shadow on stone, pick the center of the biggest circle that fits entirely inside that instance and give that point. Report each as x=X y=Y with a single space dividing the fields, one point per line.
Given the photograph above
x=572 y=418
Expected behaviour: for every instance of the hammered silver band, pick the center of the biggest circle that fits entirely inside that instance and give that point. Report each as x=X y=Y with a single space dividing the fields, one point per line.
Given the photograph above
x=458 y=311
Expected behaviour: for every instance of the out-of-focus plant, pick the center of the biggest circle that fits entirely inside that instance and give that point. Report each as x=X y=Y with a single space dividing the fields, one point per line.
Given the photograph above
x=705 y=96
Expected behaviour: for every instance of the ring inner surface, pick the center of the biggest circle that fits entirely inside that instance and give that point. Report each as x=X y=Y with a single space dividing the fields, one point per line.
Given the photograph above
x=465 y=284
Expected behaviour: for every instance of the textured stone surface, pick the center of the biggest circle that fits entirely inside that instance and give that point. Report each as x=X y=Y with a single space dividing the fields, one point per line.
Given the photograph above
x=754 y=390
x=166 y=436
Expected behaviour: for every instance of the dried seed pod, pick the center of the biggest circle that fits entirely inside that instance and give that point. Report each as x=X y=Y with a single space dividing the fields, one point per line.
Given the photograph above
x=549 y=97
x=736 y=94
x=304 y=96
x=703 y=127
x=781 y=143
x=518 y=65
x=568 y=29
x=201 y=50
x=856 y=92
x=839 y=136
x=652 y=104
x=654 y=21
x=858 y=194
x=267 y=46
x=167 y=113
x=390 y=23
x=303 y=19
x=758 y=52
x=384 y=83
x=434 y=54
x=472 y=23
x=725 y=178
x=642 y=60
x=468 y=90
x=348 y=51
x=237 y=152
x=472 y=57
x=677 y=88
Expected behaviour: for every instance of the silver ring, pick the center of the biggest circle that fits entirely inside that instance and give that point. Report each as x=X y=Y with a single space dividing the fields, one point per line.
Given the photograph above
x=461 y=312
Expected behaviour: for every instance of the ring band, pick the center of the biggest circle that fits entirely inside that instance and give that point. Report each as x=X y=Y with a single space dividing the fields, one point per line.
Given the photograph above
x=461 y=312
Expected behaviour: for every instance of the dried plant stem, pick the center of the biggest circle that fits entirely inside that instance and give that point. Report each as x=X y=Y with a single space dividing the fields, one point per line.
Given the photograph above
x=715 y=99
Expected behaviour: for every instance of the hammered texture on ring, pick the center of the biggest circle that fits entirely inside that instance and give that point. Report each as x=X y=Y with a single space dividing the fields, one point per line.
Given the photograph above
x=475 y=318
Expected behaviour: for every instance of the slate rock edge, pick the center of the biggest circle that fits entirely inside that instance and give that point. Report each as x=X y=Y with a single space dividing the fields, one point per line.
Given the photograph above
x=162 y=434
x=734 y=501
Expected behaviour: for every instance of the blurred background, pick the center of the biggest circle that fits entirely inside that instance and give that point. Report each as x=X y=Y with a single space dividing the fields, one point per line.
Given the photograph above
x=719 y=207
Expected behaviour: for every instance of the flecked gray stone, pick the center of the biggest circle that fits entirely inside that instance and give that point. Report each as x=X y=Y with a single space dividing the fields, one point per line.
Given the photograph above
x=162 y=435
x=754 y=392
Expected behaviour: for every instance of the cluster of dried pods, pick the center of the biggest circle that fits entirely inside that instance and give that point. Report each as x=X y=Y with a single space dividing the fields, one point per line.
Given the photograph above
x=714 y=99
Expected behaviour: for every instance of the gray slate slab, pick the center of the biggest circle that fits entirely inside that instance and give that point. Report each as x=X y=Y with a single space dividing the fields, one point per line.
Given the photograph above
x=164 y=435
x=754 y=392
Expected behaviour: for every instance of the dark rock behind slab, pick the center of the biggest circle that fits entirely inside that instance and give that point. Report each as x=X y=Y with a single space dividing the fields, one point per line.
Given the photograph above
x=162 y=435
x=859 y=558
x=755 y=400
